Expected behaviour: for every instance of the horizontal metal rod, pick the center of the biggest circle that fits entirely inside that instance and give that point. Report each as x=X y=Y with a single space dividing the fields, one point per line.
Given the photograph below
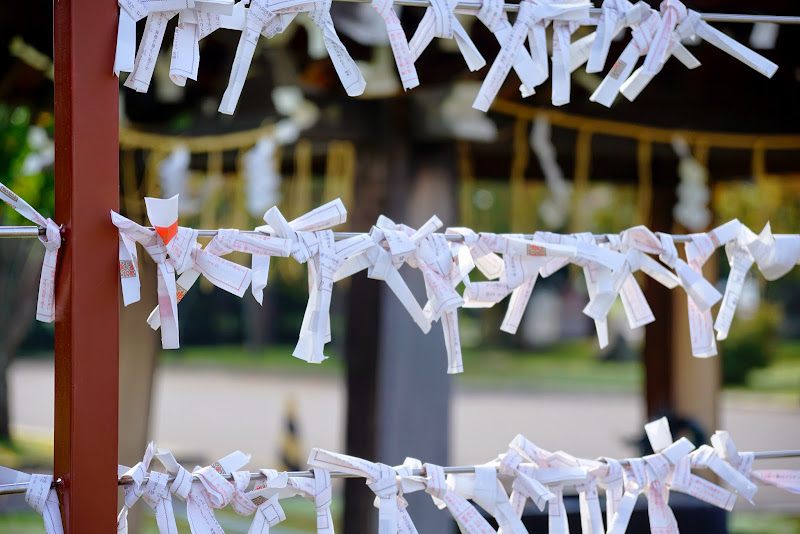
x=708 y=17
x=36 y=231
x=22 y=487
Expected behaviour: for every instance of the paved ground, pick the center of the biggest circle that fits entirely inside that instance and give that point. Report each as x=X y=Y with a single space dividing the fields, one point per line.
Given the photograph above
x=204 y=414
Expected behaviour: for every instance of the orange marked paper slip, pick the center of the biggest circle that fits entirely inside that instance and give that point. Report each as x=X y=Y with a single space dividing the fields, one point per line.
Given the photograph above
x=46 y=301
x=227 y=275
x=40 y=496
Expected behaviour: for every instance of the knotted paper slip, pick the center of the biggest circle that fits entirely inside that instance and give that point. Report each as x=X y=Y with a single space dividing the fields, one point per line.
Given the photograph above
x=174 y=250
x=440 y=21
x=271 y=18
x=381 y=479
x=533 y=17
x=40 y=496
x=208 y=263
x=433 y=257
x=46 y=301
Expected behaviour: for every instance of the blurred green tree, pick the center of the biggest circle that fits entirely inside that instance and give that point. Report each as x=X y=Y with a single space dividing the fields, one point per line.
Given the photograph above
x=26 y=153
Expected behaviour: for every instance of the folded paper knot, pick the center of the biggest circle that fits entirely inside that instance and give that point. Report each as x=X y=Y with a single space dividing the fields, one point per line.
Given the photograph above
x=775 y=255
x=45 y=304
x=381 y=479
x=347 y=69
x=42 y=497
x=440 y=21
x=211 y=490
x=484 y=488
x=134 y=490
x=672 y=13
x=533 y=17
x=268 y=514
x=609 y=476
x=399 y=43
x=525 y=485
x=693 y=25
x=614 y=16
x=318 y=489
x=469 y=520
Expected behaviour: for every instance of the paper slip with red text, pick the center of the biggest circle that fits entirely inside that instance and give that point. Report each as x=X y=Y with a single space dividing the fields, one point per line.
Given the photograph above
x=41 y=496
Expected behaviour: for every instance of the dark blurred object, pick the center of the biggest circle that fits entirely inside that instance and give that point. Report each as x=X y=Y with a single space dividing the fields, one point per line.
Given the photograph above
x=693 y=516
x=752 y=344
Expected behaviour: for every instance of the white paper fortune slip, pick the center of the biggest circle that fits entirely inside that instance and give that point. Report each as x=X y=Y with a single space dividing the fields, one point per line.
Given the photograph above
x=46 y=301
x=486 y=490
x=316 y=246
x=440 y=21
x=210 y=490
x=259 y=19
x=493 y=15
x=533 y=17
x=382 y=264
x=642 y=36
x=399 y=43
x=434 y=259
x=775 y=255
x=171 y=248
x=133 y=487
x=130 y=12
x=40 y=496
x=615 y=16
x=193 y=26
x=150 y=46
x=468 y=519
x=381 y=479
x=227 y=275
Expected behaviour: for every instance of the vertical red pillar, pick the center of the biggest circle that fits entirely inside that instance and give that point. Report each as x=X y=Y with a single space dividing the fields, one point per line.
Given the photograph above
x=87 y=321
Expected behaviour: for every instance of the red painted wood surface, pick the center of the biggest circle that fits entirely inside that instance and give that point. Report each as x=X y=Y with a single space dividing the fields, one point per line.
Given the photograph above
x=87 y=313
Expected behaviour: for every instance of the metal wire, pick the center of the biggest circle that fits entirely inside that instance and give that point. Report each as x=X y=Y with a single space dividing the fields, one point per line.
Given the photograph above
x=36 y=231
x=708 y=17
x=22 y=487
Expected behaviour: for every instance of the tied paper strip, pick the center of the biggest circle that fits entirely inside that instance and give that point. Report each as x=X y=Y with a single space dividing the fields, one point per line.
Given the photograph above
x=150 y=45
x=130 y=12
x=46 y=301
x=193 y=26
x=556 y=470
x=325 y=261
x=381 y=479
x=266 y=497
x=440 y=21
x=468 y=519
x=382 y=264
x=260 y=18
x=40 y=496
x=615 y=16
x=484 y=488
x=211 y=490
x=399 y=43
x=641 y=38
x=227 y=275
x=493 y=15
x=693 y=25
x=525 y=485
x=740 y=260
x=532 y=17
x=609 y=476
x=134 y=490
x=167 y=239
x=775 y=255
x=785 y=479
x=318 y=489
x=604 y=285
x=698 y=250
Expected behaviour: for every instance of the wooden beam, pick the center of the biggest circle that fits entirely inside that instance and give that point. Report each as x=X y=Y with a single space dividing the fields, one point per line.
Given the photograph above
x=87 y=316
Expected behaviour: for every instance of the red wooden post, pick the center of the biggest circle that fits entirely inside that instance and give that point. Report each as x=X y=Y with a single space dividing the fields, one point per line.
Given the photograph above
x=87 y=321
